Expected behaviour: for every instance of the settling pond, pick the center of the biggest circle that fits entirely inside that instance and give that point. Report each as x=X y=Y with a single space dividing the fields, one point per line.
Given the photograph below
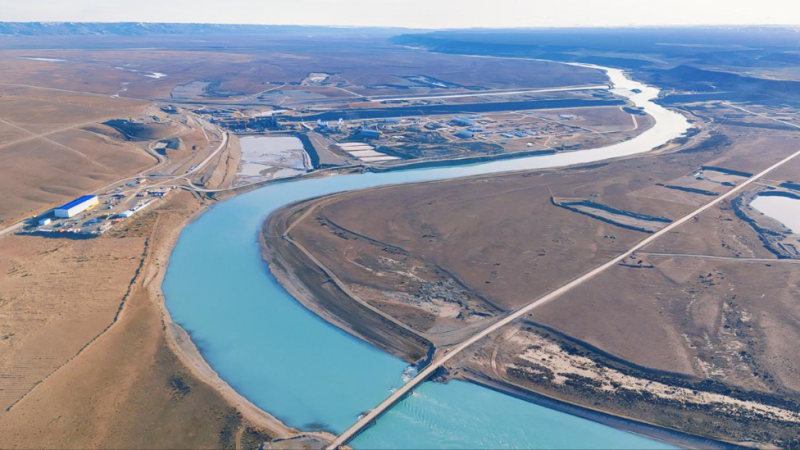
x=784 y=209
x=311 y=375
x=271 y=157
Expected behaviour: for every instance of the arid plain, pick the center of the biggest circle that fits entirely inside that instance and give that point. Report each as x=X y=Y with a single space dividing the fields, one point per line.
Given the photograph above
x=692 y=334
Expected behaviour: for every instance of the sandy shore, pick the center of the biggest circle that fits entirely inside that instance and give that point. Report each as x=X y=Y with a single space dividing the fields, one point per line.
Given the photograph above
x=181 y=344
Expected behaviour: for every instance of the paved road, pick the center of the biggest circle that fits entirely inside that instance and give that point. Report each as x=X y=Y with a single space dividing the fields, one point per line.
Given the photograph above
x=44 y=136
x=225 y=137
x=723 y=258
x=762 y=115
x=12 y=228
x=441 y=359
x=15 y=227
x=489 y=94
x=94 y=94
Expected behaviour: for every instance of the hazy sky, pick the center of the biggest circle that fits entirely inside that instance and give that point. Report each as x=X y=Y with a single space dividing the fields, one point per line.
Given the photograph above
x=413 y=13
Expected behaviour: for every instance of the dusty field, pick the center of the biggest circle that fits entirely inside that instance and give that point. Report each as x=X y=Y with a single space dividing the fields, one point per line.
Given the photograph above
x=57 y=294
x=40 y=173
x=706 y=308
x=417 y=244
x=378 y=241
x=51 y=154
x=308 y=283
x=604 y=120
x=255 y=65
x=694 y=315
x=124 y=388
x=691 y=343
x=43 y=109
x=540 y=359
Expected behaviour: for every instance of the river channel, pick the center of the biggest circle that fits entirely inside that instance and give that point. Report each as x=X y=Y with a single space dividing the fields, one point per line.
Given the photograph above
x=311 y=375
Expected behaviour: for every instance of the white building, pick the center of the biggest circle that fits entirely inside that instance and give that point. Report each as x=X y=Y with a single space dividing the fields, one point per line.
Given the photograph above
x=76 y=206
x=140 y=206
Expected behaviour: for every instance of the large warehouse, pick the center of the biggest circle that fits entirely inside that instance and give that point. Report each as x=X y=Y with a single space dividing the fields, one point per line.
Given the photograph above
x=76 y=206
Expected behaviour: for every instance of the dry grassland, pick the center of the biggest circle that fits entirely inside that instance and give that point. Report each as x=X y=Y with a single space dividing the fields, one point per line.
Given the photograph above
x=125 y=388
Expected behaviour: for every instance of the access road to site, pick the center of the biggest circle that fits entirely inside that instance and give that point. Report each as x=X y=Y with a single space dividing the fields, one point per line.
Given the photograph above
x=447 y=354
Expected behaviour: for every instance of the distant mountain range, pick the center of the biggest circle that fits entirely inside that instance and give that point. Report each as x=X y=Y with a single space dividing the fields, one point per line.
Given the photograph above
x=176 y=29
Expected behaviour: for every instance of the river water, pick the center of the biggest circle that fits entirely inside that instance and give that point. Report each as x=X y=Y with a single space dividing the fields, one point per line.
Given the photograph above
x=461 y=415
x=288 y=361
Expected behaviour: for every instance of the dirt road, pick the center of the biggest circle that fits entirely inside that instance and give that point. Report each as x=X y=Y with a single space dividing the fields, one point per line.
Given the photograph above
x=449 y=353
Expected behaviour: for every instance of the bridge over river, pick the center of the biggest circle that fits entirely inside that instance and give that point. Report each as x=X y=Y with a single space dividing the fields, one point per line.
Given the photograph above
x=447 y=354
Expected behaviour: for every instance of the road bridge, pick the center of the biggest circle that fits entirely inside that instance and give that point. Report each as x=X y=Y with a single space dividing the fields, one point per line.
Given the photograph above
x=442 y=358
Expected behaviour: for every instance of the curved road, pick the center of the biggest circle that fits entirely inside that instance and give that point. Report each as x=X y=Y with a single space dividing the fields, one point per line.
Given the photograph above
x=225 y=137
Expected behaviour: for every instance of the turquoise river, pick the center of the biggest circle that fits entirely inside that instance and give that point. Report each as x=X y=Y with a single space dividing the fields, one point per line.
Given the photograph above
x=311 y=375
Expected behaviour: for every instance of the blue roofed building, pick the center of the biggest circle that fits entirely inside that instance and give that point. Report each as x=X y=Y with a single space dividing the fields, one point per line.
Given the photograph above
x=76 y=206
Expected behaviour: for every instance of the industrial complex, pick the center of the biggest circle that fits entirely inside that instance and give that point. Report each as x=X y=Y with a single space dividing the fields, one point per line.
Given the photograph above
x=92 y=215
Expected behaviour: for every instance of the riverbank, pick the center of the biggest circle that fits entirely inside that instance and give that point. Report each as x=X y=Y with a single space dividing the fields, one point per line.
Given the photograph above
x=181 y=344
x=227 y=258
x=630 y=425
x=316 y=291
x=523 y=183
x=128 y=387
x=423 y=163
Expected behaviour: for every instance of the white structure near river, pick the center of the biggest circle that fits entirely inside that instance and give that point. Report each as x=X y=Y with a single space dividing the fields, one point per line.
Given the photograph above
x=271 y=157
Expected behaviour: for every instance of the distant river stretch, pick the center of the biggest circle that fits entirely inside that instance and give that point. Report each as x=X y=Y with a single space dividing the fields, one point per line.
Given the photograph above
x=311 y=375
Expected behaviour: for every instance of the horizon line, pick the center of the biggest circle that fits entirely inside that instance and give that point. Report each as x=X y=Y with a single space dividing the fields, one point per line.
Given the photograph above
x=795 y=26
